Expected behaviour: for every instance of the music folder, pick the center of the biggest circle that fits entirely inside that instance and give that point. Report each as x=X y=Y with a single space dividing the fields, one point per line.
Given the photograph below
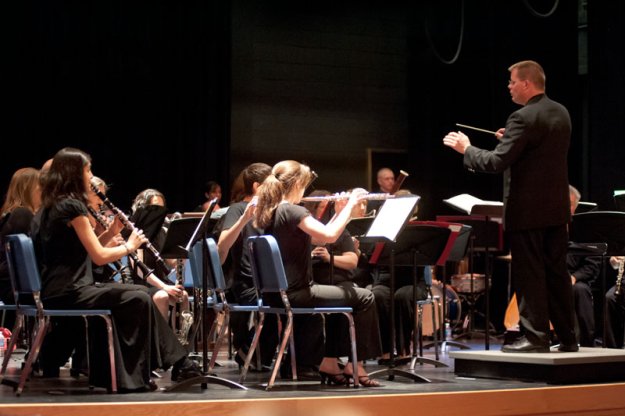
x=474 y=206
x=183 y=232
x=178 y=234
x=391 y=219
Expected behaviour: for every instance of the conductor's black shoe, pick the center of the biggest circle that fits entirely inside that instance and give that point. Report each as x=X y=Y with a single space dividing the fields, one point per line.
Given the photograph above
x=185 y=369
x=524 y=345
x=568 y=347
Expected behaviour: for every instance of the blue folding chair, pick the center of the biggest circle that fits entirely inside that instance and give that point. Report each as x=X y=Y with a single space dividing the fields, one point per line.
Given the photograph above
x=270 y=279
x=26 y=283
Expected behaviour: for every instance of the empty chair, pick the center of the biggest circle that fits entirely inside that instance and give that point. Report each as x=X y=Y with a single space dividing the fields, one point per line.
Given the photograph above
x=26 y=282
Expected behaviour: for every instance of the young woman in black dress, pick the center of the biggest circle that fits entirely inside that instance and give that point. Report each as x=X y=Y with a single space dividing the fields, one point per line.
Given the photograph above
x=66 y=246
x=296 y=229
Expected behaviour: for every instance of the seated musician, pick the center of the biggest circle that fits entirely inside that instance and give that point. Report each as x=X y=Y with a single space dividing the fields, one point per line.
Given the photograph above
x=615 y=308
x=294 y=228
x=149 y=214
x=404 y=302
x=583 y=270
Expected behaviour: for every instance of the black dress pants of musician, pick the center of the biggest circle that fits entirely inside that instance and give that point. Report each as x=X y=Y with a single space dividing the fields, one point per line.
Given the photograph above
x=615 y=321
x=542 y=283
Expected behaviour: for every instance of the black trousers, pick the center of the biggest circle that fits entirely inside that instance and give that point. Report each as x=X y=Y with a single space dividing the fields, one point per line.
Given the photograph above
x=584 y=310
x=346 y=294
x=615 y=320
x=142 y=338
x=542 y=283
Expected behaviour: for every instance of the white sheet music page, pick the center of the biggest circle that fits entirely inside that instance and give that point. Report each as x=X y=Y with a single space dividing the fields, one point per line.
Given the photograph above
x=466 y=202
x=392 y=217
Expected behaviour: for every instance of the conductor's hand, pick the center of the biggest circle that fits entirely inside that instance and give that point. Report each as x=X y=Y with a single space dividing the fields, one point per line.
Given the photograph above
x=499 y=133
x=457 y=140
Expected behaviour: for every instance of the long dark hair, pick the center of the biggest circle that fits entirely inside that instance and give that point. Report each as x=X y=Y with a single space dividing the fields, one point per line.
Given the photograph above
x=65 y=178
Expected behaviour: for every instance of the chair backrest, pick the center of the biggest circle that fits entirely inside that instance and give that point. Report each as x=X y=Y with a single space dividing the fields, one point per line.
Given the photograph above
x=23 y=268
x=267 y=268
x=215 y=279
x=195 y=261
x=216 y=272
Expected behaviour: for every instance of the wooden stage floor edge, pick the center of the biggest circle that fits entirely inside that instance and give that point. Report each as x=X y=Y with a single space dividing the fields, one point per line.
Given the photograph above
x=581 y=400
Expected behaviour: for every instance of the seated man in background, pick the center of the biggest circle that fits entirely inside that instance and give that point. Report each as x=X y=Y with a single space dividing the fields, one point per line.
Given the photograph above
x=583 y=270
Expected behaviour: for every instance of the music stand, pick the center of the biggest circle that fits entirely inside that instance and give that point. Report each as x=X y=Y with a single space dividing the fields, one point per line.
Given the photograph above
x=385 y=232
x=183 y=246
x=487 y=235
x=600 y=227
x=619 y=200
x=456 y=250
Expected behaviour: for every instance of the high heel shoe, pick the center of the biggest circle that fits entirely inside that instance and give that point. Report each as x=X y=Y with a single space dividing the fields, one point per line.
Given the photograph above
x=339 y=379
x=363 y=381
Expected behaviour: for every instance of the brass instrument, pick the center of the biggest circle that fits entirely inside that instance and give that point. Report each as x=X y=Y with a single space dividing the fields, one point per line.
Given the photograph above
x=618 y=291
x=369 y=196
x=181 y=320
x=160 y=263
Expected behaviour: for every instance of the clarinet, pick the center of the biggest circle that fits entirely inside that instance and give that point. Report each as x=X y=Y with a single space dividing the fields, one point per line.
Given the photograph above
x=160 y=263
x=619 y=278
x=118 y=264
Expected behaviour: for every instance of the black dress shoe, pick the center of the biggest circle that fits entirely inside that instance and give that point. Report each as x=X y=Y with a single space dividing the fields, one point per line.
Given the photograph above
x=524 y=345
x=568 y=347
x=185 y=369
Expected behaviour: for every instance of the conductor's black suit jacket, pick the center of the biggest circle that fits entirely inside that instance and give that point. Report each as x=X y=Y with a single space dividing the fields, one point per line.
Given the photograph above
x=533 y=156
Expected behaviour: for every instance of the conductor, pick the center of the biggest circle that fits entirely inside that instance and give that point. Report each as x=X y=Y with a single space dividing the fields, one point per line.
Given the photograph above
x=532 y=154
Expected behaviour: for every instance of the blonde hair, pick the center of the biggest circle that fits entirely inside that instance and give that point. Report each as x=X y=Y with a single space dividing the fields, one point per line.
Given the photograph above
x=286 y=176
x=20 y=192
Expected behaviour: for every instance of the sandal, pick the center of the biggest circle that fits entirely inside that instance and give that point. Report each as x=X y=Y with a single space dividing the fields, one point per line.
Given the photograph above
x=339 y=379
x=364 y=381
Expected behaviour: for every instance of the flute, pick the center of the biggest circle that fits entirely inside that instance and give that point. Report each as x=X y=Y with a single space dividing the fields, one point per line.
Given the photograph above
x=370 y=196
x=160 y=263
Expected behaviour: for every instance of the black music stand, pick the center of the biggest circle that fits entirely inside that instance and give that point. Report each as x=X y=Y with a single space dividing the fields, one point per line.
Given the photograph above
x=385 y=231
x=456 y=250
x=182 y=247
x=600 y=227
x=417 y=245
x=487 y=236
x=178 y=234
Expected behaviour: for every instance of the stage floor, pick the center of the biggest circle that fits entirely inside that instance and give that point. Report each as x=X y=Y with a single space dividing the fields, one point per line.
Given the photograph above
x=67 y=395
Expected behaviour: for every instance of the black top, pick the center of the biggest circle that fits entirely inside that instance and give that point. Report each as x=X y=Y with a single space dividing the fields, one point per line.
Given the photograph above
x=294 y=244
x=67 y=266
x=321 y=269
x=15 y=222
x=240 y=269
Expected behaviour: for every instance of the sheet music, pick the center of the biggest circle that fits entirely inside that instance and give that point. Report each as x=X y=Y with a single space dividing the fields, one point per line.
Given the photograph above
x=392 y=217
x=466 y=202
